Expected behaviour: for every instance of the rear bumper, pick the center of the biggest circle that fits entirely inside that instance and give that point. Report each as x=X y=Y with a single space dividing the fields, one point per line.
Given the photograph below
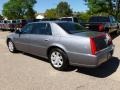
x=87 y=60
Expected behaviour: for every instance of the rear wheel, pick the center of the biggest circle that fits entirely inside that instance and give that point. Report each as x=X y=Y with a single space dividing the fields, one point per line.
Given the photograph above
x=11 y=46
x=58 y=59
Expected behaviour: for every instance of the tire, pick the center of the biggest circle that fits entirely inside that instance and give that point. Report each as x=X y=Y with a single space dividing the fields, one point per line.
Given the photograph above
x=58 y=59
x=11 y=47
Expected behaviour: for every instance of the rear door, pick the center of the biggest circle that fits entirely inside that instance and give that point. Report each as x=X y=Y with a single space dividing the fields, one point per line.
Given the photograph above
x=40 y=38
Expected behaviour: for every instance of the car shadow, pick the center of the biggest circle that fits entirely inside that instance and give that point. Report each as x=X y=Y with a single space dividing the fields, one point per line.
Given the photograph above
x=36 y=57
x=102 y=71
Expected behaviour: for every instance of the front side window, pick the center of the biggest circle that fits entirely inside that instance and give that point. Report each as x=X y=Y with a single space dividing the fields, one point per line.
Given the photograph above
x=41 y=28
x=27 y=29
x=72 y=28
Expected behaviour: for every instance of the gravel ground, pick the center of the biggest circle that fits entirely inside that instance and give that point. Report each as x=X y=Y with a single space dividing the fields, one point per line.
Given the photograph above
x=25 y=72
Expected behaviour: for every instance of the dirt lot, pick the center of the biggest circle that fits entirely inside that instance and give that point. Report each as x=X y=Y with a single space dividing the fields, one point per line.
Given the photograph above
x=25 y=72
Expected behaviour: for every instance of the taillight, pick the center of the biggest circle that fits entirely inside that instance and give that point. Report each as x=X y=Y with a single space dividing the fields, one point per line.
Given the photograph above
x=93 y=46
x=101 y=27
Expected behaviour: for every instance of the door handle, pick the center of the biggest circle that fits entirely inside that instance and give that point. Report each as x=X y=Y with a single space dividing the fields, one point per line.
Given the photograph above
x=46 y=39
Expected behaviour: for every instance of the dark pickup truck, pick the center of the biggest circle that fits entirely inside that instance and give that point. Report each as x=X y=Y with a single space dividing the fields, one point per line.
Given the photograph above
x=102 y=24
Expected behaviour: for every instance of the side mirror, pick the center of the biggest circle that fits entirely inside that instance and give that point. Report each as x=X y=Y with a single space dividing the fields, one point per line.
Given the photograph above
x=18 y=31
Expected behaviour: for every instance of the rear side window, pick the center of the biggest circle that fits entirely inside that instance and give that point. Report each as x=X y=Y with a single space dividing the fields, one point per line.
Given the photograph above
x=99 y=19
x=41 y=28
x=103 y=19
x=93 y=19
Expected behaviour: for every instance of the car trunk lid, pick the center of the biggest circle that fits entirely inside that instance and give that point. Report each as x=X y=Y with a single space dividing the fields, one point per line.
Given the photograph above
x=98 y=41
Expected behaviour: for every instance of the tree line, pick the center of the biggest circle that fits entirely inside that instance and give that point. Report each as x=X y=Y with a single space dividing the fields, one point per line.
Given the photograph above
x=95 y=7
x=23 y=9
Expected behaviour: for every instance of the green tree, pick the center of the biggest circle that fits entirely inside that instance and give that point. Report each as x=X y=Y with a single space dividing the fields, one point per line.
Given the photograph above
x=51 y=13
x=1 y=17
x=19 y=9
x=30 y=14
x=63 y=9
x=104 y=7
x=83 y=16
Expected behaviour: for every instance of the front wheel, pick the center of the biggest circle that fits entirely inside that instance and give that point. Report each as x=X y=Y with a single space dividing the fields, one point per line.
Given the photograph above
x=11 y=46
x=58 y=59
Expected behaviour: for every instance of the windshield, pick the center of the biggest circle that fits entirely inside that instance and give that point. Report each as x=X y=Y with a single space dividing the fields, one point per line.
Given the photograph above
x=72 y=28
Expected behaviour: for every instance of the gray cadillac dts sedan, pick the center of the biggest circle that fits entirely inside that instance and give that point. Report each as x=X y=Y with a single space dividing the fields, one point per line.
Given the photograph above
x=63 y=43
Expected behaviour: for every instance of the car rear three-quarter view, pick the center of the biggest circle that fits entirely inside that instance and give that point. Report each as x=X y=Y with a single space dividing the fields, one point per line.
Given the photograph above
x=63 y=43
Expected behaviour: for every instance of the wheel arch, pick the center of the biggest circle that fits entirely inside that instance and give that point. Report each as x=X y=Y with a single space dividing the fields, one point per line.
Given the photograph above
x=8 y=39
x=55 y=46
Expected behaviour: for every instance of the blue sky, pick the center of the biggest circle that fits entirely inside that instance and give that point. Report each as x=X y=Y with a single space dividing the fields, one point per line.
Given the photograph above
x=42 y=5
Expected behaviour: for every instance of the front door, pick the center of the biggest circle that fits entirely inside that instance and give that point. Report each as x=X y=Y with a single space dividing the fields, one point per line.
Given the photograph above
x=22 y=40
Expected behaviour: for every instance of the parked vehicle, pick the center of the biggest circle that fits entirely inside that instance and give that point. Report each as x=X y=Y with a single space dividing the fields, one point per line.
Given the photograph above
x=63 y=43
x=21 y=23
x=12 y=25
x=70 y=19
x=8 y=25
x=4 y=25
x=102 y=24
x=0 y=24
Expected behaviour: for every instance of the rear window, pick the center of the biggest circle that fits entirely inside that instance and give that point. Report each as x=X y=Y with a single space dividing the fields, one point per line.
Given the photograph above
x=72 y=28
x=66 y=19
x=99 y=19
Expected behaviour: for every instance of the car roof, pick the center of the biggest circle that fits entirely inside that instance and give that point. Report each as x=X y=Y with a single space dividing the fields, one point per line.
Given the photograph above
x=68 y=17
x=101 y=16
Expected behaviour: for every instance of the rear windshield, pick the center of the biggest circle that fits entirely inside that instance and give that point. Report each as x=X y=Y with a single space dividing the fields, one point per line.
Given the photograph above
x=99 y=19
x=72 y=28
